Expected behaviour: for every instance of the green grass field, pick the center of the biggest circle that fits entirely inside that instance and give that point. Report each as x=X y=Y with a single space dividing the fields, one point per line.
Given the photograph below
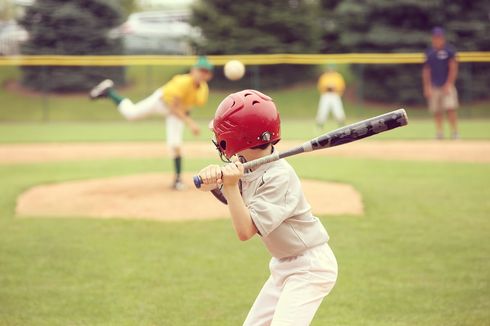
x=419 y=255
x=292 y=129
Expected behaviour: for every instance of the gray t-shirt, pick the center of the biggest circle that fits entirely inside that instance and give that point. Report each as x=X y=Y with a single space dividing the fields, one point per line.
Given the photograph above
x=273 y=195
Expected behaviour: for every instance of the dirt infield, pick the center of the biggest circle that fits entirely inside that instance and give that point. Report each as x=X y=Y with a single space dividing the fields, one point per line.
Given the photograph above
x=148 y=196
x=452 y=151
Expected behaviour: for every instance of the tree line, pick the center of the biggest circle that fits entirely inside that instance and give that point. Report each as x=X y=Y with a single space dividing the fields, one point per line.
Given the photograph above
x=347 y=26
x=271 y=26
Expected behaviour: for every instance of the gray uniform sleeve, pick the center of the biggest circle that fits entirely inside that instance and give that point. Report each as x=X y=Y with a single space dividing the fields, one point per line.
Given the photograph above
x=272 y=203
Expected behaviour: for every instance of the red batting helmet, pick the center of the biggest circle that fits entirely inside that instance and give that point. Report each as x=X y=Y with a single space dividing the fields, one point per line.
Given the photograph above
x=244 y=120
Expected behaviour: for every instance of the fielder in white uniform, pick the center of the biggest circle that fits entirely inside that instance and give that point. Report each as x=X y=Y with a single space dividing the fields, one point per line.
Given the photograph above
x=272 y=205
x=331 y=86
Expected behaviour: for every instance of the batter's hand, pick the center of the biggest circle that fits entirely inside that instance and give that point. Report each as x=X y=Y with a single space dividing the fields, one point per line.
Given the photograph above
x=232 y=173
x=211 y=177
x=427 y=92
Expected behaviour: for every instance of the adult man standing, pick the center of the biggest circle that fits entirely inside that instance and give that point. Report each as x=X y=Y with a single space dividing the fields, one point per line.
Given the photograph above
x=331 y=86
x=174 y=100
x=439 y=75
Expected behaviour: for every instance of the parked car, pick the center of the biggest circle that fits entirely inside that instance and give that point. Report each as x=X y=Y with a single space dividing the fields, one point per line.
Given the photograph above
x=12 y=35
x=158 y=32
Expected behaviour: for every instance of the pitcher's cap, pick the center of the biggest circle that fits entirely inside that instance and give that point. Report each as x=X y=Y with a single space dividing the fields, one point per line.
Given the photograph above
x=203 y=63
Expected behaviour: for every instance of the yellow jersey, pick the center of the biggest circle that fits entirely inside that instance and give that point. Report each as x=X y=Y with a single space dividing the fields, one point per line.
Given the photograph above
x=331 y=81
x=184 y=89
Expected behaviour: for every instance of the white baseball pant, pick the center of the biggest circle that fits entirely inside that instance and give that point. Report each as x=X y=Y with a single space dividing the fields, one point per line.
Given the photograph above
x=330 y=101
x=154 y=105
x=295 y=289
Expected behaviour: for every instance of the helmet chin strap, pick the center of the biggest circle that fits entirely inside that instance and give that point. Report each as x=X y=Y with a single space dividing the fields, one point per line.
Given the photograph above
x=242 y=159
x=223 y=157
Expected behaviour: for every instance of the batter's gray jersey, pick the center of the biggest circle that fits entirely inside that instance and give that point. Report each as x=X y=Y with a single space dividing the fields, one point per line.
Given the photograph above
x=277 y=205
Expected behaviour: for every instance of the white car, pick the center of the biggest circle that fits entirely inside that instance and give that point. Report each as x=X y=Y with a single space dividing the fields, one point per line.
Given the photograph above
x=12 y=35
x=158 y=32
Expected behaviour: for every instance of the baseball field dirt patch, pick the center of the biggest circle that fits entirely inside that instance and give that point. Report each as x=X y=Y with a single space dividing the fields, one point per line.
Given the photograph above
x=148 y=196
x=450 y=151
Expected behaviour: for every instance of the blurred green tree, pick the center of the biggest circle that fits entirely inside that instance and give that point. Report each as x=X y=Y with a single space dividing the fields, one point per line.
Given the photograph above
x=129 y=6
x=260 y=27
x=404 y=26
x=70 y=27
x=330 y=27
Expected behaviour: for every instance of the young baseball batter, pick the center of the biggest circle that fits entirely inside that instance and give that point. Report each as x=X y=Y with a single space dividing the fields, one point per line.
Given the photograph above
x=174 y=101
x=272 y=205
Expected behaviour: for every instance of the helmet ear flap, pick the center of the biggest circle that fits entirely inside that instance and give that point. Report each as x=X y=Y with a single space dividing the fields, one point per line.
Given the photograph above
x=222 y=145
x=221 y=150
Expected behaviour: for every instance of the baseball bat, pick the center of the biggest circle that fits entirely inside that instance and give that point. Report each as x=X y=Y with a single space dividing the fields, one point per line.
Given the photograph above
x=344 y=135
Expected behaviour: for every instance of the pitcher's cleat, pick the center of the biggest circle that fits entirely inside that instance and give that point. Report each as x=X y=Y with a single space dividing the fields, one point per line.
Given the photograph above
x=178 y=185
x=101 y=89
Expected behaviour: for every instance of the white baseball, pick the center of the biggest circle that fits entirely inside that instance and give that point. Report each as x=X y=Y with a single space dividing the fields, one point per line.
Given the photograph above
x=234 y=70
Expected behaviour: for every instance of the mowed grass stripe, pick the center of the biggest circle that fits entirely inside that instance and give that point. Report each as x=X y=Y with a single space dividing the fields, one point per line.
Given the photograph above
x=418 y=256
x=292 y=129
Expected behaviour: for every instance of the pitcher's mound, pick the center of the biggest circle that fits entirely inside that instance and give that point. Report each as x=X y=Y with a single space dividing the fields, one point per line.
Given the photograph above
x=149 y=196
